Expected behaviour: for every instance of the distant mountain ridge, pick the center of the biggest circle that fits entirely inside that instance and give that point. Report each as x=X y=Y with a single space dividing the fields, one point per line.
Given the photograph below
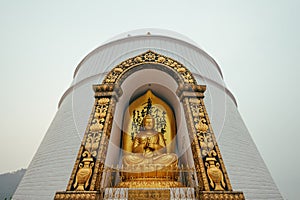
x=9 y=183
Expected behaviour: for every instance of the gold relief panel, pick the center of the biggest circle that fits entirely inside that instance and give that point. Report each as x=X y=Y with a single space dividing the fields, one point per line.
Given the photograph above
x=82 y=178
x=84 y=173
x=207 y=145
x=95 y=130
x=214 y=173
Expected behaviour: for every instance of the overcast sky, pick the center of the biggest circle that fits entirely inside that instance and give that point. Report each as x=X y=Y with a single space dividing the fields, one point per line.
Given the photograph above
x=256 y=44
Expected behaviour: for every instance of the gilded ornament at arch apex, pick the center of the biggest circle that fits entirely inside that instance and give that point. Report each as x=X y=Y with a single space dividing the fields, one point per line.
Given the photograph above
x=149 y=57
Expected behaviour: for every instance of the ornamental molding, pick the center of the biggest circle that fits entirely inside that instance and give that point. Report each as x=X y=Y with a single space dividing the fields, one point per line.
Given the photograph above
x=178 y=70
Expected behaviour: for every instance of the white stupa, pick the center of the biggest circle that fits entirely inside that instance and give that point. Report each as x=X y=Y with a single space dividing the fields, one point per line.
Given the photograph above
x=51 y=167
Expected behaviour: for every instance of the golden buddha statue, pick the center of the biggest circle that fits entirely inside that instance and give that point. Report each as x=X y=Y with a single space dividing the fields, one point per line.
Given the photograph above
x=149 y=165
x=149 y=147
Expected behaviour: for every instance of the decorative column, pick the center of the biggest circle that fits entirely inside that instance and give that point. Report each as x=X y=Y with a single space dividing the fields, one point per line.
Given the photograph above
x=213 y=181
x=87 y=173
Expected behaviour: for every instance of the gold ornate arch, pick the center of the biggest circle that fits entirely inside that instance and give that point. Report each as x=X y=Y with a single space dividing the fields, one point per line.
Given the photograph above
x=178 y=70
x=88 y=178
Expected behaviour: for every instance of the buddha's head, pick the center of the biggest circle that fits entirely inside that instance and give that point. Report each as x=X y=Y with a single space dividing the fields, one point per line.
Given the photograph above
x=148 y=122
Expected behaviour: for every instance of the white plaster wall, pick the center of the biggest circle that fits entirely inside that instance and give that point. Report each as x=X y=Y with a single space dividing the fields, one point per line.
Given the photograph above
x=245 y=166
x=51 y=167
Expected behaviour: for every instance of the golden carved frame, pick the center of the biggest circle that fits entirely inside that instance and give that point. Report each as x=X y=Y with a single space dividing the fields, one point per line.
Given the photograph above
x=86 y=177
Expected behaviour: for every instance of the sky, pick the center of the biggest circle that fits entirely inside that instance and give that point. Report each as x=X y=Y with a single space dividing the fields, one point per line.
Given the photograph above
x=256 y=44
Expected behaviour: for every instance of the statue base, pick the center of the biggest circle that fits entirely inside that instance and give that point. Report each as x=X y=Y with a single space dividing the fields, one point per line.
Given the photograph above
x=150 y=176
x=149 y=183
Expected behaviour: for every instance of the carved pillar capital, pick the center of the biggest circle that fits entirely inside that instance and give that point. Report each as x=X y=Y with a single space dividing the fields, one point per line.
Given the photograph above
x=107 y=90
x=188 y=90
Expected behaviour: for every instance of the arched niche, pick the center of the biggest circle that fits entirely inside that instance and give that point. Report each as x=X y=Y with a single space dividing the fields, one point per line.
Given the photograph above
x=162 y=83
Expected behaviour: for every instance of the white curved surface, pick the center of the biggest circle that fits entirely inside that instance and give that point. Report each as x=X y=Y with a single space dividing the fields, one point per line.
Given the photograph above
x=152 y=32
